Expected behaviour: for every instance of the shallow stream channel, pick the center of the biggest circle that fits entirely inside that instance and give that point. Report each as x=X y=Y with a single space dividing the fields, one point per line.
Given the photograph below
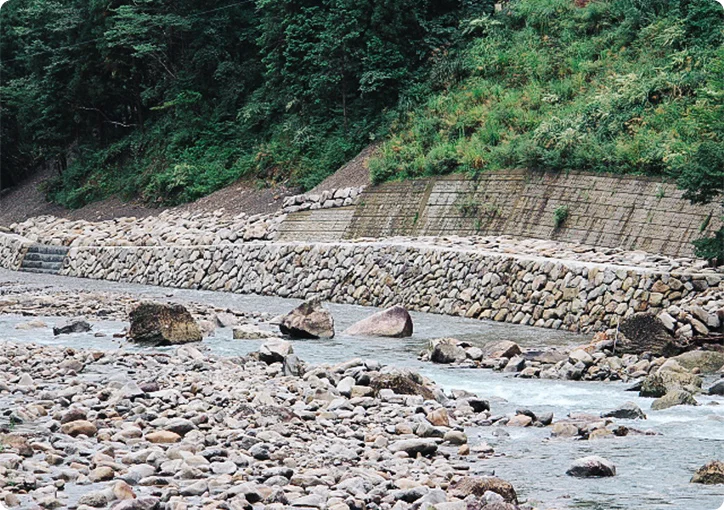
x=653 y=471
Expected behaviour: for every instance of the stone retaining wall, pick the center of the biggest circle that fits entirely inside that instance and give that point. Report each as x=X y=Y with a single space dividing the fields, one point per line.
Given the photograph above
x=631 y=212
x=523 y=290
x=12 y=250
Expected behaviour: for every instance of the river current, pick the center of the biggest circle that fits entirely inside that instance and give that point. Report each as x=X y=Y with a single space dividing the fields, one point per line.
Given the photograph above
x=653 y=471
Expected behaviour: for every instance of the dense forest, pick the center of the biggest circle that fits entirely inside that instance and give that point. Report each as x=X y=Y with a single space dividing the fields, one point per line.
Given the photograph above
x=167 y=101
x=171 y=99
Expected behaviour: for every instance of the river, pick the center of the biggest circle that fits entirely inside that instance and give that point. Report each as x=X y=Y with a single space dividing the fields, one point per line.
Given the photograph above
x=653 y=472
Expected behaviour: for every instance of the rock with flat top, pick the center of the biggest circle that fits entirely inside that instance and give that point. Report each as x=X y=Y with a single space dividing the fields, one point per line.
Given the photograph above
x=393 y=322
x=706 y=361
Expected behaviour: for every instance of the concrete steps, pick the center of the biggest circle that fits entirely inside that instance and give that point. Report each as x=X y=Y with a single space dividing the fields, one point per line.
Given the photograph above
x=319 y=225
x=41 y=258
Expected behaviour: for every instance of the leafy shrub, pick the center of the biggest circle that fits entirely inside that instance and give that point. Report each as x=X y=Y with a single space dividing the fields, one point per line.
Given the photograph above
x=560 y=215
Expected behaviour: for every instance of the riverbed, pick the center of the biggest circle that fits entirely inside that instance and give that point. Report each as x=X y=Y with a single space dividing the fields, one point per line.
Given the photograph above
x=653 y=470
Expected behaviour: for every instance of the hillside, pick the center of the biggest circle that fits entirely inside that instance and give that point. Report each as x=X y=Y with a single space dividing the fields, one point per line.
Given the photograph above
x=164 y=103
x=550 y=85
x=169 y=101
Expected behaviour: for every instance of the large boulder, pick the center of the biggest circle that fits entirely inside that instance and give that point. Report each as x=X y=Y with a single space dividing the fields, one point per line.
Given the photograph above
x=308 y=320
x=591 y=467
x=162 y=324
x=393 y=322
x=706 y=361
x=644 y=332
x=478 y=485
x=674 y=398
x=662 y=382
x=711 y=473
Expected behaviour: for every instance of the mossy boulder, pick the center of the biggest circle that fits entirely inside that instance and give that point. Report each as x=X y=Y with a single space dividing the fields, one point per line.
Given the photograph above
x=711 y=473
x=664 y=381
x=162 y=324
x=706 y=361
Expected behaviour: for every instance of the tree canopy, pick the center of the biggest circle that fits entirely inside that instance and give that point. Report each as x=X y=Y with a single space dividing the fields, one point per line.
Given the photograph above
x=175 y=98
x=169 y=100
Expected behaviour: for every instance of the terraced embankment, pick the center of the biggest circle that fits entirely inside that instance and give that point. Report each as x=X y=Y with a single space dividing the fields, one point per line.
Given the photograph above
x=453 y=279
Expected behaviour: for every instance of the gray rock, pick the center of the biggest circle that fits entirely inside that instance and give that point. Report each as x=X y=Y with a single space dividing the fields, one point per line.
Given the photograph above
x=260 y=451
x=180 y=426
x=445 y=351
x=275 y=351
x=393 y=322
x=674 y=398
x=195 y=489
x=627 y=411
x=411 y=495
x=515 y=364
x=95 y=499
x=311 y=500
x=142 y=503
x=72 y=327
x=717 y=388
x=591 y=467
x=412 y=447
x=308 y=320
x=223 y=468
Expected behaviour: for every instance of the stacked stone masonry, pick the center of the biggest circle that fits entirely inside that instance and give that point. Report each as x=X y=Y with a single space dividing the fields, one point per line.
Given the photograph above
x=327 y=199
x=12 y=250
x=523 y=290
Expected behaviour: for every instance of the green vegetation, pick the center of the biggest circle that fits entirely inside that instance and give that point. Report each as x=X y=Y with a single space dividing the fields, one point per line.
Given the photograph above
x=560 y=215
x=622 y=86
x=170 y=100
x=550 y=85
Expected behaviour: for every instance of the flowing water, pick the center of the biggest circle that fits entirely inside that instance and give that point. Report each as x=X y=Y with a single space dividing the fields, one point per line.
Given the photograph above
x=653 y=472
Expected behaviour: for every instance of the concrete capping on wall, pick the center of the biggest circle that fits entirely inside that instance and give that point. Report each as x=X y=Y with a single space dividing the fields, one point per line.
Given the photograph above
x=631 y=212
x=12 y=250
x=550 y=293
